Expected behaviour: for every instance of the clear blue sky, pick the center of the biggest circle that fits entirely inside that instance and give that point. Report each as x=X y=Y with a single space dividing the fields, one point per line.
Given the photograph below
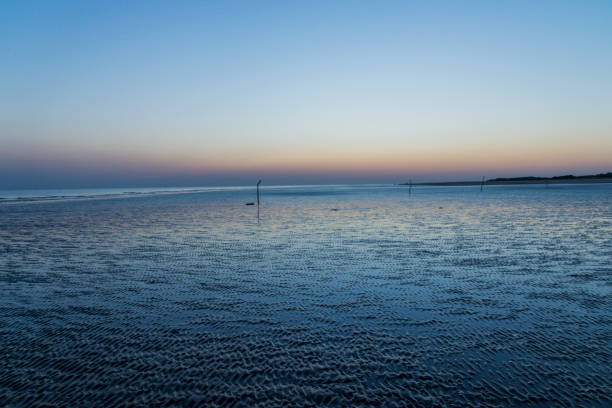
x=222 y=92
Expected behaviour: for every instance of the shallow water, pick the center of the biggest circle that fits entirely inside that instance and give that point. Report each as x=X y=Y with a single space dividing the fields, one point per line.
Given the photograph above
x=341 y=296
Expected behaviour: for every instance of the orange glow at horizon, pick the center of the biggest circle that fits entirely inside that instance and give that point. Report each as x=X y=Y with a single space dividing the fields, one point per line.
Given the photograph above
x=450 y=160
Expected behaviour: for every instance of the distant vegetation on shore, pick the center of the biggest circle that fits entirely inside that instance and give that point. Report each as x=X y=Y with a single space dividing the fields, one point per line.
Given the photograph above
x=592 y=178
x=607 y=175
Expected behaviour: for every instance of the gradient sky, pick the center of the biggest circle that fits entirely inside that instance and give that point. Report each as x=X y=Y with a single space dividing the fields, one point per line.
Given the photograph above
x=131 y=93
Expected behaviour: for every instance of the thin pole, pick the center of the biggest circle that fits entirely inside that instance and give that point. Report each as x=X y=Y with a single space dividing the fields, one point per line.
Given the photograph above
x=409 y=186
x=482 y=184
x=258 y=183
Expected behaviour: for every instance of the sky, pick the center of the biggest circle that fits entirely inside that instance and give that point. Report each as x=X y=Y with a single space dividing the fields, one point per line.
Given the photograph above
x=146 y=93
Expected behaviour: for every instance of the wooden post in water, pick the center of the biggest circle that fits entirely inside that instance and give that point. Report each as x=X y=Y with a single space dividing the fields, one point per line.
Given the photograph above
x=409 y=186
x=482 y=184
x=258 y=183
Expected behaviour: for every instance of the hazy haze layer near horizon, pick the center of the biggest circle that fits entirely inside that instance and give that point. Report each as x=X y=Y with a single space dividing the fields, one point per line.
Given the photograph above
x=113 y=94
x=338 y=296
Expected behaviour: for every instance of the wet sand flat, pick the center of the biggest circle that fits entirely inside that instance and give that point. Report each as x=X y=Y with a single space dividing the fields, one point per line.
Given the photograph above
x=337 y=296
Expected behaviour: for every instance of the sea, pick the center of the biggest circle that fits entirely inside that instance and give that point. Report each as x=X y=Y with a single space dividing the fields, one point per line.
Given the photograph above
x=344 y=295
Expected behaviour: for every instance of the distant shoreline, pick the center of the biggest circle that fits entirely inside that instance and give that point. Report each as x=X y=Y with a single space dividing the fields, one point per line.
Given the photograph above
x=507 y=183
x=569 y=179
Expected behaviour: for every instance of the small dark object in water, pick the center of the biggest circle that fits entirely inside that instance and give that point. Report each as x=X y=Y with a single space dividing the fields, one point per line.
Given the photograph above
x=250 y=204
x=335 y=209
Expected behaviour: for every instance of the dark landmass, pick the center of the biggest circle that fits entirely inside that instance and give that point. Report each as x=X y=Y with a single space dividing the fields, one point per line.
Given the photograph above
x=567 y=179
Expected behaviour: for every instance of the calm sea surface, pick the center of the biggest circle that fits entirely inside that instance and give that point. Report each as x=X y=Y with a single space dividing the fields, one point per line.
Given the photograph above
x=338 y=295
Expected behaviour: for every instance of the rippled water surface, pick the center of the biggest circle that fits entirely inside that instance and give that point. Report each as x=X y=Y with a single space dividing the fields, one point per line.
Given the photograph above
x=340 y=296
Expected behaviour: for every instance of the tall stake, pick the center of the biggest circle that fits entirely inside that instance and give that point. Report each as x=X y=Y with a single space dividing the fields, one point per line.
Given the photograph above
x=258 y=183
x=482 y=184
x=409 y=186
